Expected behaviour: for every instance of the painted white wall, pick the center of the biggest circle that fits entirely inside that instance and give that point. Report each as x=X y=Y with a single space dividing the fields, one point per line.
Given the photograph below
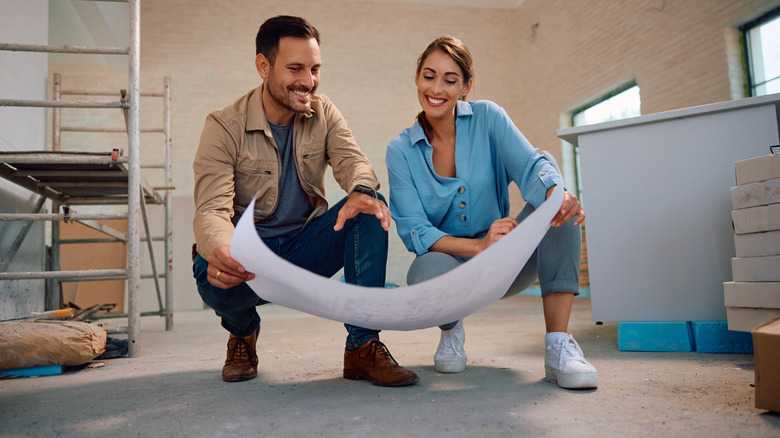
x=87 y=23
x=22 y=76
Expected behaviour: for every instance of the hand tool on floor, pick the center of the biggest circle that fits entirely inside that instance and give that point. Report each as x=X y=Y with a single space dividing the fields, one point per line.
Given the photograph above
x=49 y=314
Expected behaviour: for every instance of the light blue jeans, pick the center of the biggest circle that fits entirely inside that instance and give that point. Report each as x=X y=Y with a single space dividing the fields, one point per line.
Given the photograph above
x=360 y=248
x=556 y=263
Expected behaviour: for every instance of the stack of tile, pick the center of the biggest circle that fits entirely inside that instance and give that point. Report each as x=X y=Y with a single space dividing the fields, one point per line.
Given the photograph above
x=753 y=297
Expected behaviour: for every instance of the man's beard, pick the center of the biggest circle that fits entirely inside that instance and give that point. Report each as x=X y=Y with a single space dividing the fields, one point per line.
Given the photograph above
x=286 y=98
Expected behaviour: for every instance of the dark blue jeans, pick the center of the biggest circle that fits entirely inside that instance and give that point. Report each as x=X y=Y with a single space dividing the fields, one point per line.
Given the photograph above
x=360 y=248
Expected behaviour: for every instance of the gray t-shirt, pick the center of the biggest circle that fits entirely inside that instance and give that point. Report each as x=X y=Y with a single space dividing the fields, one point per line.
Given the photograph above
x=294 y=208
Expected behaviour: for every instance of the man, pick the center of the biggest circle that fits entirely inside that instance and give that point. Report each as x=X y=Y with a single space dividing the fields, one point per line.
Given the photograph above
x=275 y=144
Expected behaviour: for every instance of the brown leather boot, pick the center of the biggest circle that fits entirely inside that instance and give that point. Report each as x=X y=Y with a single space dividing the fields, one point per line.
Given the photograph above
x=241 y=362
x=373 y=362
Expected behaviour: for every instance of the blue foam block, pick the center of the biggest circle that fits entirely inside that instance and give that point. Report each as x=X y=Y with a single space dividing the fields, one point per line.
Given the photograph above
x=43 y=370
x=715 y=337
x=654 y=336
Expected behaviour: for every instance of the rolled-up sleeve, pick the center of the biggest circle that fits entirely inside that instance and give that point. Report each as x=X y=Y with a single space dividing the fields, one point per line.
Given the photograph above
x=533 y=173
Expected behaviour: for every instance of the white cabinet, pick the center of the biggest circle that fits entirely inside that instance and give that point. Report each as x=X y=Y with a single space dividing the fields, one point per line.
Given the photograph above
x=656 y=190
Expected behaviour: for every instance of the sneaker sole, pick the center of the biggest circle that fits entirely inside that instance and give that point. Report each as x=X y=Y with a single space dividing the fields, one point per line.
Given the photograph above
x=572 y=381
x=449 y=366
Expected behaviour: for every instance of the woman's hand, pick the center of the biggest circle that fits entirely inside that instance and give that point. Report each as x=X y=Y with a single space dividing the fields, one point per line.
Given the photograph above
x=569 y=208
x=498 y=229
x=469 y=247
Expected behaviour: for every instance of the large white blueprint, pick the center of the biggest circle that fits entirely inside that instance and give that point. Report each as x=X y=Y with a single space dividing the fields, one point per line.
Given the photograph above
x=472 y=286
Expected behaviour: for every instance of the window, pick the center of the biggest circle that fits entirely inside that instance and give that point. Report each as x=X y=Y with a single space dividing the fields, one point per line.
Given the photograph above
x=620 y=104
x=761 y=39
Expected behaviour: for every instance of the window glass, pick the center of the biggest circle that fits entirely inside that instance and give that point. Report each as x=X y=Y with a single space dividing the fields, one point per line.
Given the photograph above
x=620 y=106
x=762 y=44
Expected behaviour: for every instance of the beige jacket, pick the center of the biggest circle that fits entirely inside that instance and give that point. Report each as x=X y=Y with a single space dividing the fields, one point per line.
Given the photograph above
x=237 y=158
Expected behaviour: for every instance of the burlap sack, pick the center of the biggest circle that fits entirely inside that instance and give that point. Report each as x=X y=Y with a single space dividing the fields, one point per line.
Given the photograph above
x=27 y=344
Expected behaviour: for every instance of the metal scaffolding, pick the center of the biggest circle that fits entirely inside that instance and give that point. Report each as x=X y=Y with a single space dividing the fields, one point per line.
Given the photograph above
x=86 y=178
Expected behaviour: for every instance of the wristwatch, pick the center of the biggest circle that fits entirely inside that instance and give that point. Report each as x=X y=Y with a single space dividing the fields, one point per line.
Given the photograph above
x=365 y=190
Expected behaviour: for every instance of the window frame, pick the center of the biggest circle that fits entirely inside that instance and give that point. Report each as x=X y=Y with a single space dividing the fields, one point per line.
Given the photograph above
x=603 y=98
x=744 y=35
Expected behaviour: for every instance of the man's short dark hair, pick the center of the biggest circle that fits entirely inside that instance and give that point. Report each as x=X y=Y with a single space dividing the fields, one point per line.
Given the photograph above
x=269 y=34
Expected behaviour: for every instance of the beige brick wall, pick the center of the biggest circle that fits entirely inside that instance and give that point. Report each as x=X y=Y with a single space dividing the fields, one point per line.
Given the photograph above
x=676 y=50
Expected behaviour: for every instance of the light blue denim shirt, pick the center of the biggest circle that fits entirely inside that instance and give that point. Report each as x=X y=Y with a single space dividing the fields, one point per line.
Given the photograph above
x=490 y=153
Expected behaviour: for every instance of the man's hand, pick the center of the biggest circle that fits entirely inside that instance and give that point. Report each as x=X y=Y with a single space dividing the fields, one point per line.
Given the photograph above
x=569 y=208
x=223 y=271
x=362 y=203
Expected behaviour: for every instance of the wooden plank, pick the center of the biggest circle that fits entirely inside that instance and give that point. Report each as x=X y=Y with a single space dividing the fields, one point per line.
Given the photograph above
x=761 y=168
x=756 y=268
x=756 y=219
x=757 y=244
x=755 y=194
x=755 y=294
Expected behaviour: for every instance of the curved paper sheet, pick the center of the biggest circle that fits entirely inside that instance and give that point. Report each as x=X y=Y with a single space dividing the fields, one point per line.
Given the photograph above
x=472 y=286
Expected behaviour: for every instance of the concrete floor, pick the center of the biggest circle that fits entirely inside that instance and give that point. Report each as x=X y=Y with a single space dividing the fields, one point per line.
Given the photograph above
x=174 y=387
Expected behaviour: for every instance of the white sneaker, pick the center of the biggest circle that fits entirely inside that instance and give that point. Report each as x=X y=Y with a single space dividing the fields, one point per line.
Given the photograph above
x=565 y=364
x=450 y=357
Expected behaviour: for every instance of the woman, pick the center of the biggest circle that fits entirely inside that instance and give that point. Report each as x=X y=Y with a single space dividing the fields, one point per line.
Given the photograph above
x=449 y=177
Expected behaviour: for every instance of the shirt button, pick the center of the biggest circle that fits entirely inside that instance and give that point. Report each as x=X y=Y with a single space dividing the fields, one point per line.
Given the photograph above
x=461 y=189
x=463 y=218
x=414 y=233
x=462 y=205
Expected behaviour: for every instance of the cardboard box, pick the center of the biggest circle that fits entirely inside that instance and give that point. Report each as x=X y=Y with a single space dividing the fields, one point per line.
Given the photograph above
x=84 y=256
x=766 y=355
